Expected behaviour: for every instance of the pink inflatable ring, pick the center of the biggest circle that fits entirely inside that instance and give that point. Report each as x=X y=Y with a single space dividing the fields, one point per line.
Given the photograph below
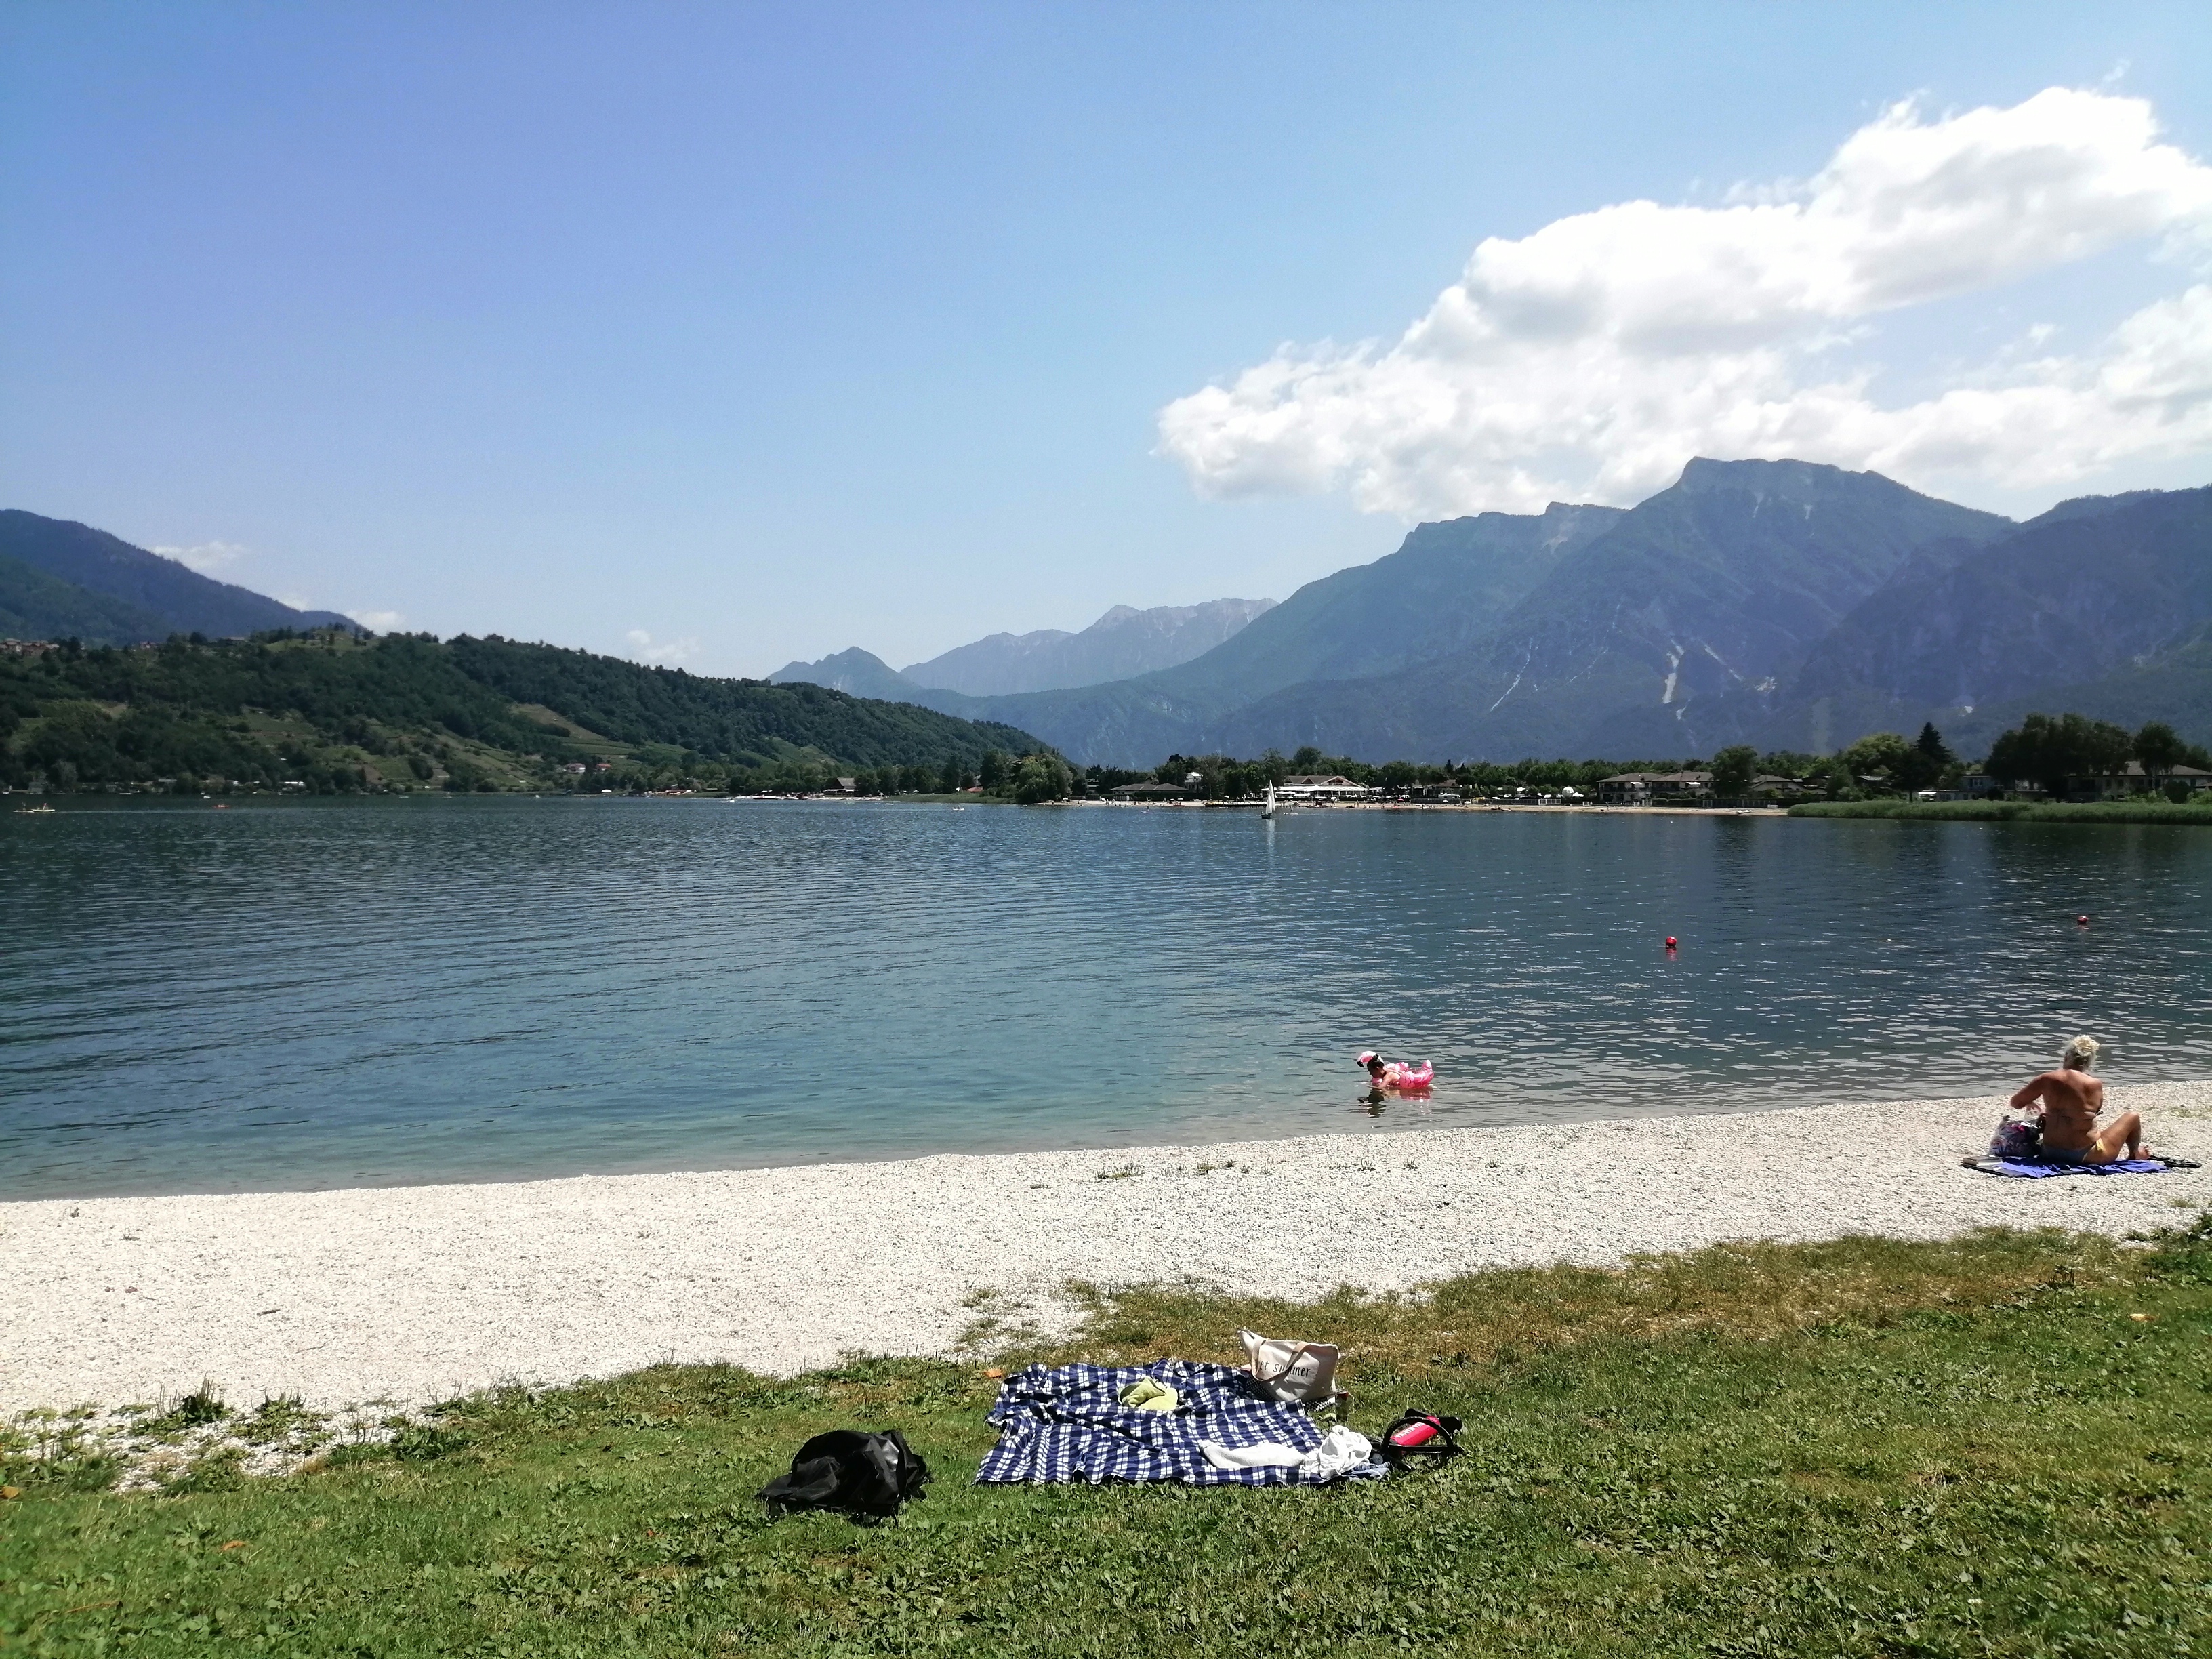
x=1399 y=1073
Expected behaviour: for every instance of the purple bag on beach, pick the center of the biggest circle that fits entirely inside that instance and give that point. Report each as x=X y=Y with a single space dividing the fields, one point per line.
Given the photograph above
x=2018 y=1140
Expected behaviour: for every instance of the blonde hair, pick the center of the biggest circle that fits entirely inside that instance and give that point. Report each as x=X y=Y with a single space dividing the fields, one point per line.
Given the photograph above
x=2081 y=1053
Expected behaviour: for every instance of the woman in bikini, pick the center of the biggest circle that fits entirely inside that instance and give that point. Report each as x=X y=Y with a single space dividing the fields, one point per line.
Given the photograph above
x=2070 y=1100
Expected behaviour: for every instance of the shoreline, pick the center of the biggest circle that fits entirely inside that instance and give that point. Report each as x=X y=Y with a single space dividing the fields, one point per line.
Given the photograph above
x=410 y=1294
x=1584 y=808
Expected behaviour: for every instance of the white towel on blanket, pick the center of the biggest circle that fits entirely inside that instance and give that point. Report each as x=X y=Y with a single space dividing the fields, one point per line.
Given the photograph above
x=1341 y=1451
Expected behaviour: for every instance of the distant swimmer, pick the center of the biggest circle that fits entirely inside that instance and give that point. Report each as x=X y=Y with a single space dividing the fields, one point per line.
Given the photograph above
x=1396 y=1073
x=2069 y=1101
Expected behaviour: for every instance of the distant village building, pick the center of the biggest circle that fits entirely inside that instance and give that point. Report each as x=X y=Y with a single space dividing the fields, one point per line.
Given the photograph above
x=1641 y=788
x=1321 y=786
x=2128 y=780
x=2132 y=779
x=1141 y=792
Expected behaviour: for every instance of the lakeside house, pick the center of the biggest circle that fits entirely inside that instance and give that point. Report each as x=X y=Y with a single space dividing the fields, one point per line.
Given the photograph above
x=1642 y=788
x=1143 y=791
x=2132 y=779
x=2128 y=780
x=1320 y=785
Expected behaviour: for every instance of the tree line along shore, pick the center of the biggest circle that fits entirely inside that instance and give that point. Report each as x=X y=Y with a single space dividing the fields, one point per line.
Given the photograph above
x=332 y=711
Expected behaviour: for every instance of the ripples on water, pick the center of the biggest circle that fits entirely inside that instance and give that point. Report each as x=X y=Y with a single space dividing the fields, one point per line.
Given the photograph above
x=313 y=994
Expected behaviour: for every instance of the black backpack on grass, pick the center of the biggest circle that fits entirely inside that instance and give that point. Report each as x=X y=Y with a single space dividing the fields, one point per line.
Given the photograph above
x=852 y=1470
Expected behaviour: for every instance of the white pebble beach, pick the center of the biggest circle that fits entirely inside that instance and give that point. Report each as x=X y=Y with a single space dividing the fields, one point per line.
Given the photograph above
x=412 y=1294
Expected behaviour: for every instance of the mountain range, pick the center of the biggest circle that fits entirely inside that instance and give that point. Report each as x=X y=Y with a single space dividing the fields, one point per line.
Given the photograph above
x=60 y=579
x=1124 y=642
x=1781 y=603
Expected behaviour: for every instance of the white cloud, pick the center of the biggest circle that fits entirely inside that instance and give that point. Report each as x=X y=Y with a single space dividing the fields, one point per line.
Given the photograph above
x=380 y=622
x=1590 y=360
x=670 y=651
x=205 y=556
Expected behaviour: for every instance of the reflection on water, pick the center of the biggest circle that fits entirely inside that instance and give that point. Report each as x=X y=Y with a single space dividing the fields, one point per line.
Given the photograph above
x=300 y=994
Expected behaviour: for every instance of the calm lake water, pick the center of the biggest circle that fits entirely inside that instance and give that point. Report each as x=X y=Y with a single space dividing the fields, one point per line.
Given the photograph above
x=305 y=994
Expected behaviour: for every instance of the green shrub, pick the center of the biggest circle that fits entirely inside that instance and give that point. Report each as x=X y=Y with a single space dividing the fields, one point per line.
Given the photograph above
x=2010 y=812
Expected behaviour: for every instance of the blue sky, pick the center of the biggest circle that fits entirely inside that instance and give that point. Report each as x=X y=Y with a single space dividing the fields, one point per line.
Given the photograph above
x=729 y=335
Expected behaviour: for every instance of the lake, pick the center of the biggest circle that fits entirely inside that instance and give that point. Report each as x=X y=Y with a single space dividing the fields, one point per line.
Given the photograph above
x=298 y=994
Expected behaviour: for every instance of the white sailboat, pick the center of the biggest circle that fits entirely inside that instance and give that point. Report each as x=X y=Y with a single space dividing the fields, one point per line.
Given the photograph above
x=1268 y=811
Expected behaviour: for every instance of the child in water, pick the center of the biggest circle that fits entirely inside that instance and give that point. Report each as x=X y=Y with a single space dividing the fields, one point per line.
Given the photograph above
x=1396 y=1074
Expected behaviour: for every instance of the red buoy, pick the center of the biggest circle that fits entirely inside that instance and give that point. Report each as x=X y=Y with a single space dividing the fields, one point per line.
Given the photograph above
x=1670 y=941
x=2080 y=922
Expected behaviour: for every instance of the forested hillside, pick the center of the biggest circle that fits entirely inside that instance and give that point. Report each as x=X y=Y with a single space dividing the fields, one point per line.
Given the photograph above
x=724 y=719
x=35 y=606
x=61 y=580
x=332 y=711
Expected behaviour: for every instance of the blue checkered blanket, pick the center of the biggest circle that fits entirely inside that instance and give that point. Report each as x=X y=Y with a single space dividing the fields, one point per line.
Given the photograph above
x=1062 y=1424
x=2039 y=1171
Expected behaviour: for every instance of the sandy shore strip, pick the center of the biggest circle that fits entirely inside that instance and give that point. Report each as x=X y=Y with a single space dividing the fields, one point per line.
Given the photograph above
x=416 y=1293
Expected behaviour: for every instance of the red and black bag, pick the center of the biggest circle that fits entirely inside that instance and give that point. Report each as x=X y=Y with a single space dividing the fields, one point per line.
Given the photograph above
x=1419 y=1437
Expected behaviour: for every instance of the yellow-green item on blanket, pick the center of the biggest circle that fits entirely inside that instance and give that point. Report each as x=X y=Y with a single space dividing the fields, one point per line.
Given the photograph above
x=1149 y=1393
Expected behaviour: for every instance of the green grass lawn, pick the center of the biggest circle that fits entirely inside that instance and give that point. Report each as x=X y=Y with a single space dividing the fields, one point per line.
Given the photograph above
x=2014 y=811
x=1998 y=1446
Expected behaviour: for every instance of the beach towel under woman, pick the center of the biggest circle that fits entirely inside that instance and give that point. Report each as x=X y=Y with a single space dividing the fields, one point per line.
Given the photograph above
x=1066 y=1424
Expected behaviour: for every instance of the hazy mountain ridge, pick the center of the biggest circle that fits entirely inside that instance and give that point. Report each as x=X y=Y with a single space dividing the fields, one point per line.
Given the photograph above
x=2105 y=600
x=1444 y=586
x=857 y=673
x=1123 y=643
x=2081 y=589
x=1709 y=594
x=122 y=594
x=1780 y=603
x=2175 y=688
x=1545 y=631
